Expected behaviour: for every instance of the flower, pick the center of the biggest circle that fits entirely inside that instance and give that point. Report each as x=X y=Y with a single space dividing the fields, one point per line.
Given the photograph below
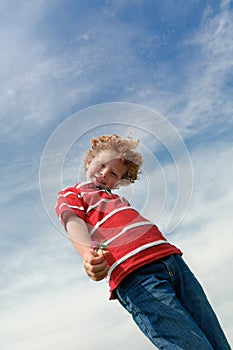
x=94 y=244
x=98 y=245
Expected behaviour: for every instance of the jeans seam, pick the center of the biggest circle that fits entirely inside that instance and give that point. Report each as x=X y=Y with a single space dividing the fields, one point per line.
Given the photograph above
x=171 y=272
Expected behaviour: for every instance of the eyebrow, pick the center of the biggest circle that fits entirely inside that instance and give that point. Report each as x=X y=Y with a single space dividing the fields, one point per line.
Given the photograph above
x=115 y=170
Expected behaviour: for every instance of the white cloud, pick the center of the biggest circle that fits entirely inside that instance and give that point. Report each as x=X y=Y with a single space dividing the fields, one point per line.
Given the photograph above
x=48 y=302
x=206 y=88
x=41 y=84
x=205 y=236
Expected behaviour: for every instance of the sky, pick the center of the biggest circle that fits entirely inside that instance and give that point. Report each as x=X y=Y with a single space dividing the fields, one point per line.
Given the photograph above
x=160 y=71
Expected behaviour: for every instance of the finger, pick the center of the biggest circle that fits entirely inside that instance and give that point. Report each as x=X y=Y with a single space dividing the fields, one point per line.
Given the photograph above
x=92 y=259
x=102 y=252
x=98 y=275
x=98 y=256
x=97 y=271
x=96 y=253
x=95 y=268
x=105 y=253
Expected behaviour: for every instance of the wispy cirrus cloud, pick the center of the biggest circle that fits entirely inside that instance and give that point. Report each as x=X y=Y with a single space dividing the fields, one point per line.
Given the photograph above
x=206 y=102
x=48 y=80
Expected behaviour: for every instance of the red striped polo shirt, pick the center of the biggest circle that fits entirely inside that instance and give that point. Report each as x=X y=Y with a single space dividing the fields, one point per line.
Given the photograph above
x=132 y=240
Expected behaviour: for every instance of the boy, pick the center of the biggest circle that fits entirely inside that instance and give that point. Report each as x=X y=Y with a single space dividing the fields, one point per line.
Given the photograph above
x=145 y=272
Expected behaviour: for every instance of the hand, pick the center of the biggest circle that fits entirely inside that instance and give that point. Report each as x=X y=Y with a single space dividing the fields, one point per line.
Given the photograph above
x=95 y=264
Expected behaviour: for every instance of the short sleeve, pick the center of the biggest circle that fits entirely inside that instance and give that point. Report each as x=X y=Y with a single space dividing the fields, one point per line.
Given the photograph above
x=69 y=199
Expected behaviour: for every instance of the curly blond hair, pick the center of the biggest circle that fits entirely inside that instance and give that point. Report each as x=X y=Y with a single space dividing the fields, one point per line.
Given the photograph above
x=125 y=147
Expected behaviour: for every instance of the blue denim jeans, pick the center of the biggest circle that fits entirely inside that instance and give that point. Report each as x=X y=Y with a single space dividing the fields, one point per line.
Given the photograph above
x=170 y=307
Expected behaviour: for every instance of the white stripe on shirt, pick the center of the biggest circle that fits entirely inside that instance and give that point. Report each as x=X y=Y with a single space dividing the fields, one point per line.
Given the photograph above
x=126 y=228
x=97 y=203
x=67 y=194
x=99 y=223
x=70 y=206
x=134 y=252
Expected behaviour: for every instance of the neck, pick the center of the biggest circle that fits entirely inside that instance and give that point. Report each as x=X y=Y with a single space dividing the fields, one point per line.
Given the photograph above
x=104 y=189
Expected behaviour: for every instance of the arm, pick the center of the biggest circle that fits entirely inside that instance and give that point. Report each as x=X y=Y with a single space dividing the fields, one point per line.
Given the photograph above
x=94 y=262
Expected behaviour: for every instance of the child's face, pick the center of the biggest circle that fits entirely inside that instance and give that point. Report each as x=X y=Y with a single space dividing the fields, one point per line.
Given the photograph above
x=106 y=169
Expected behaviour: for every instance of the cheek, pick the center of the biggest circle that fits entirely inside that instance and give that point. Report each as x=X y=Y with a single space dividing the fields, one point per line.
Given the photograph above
x=88 y=171
x=92 y=168
x=114 y=181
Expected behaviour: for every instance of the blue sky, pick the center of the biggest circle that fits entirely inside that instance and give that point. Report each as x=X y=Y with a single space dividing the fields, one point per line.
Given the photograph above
x=73 y=67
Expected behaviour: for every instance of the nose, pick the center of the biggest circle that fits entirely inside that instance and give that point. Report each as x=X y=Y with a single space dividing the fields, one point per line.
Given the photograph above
x=104 y=172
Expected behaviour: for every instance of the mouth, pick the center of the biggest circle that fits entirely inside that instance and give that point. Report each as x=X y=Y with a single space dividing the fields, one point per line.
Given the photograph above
x=99 y=182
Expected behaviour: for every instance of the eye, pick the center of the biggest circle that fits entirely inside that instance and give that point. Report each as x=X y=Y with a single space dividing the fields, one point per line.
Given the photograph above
x=114 y=174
